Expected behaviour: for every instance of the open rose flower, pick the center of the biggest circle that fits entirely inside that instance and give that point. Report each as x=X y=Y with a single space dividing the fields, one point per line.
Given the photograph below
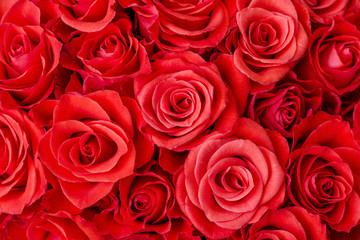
x=272 y=37
x=297 y=224
x=182 y=98
x=177 y=26
x=110 y=56
x=28 y=54
x=22 y=178
x=229 y=182
x=324 y=170
x=333 y=57
x=87 y=15
x=94 y=141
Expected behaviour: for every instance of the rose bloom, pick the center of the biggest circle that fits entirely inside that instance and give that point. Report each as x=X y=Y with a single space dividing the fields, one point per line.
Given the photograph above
x=94 y=141
x=270 y=37
x=29 y=54
x=59 y=225
x=333 y=57
x=323 y=12
x=231 y=181
x=147 y=201
x=180 y=26
x=324 y=171
x=285 y=105
x=182 y=98
x=21 y=173
x=110 y=56
x=143 y=202
x=297 y=224
x=87 y=15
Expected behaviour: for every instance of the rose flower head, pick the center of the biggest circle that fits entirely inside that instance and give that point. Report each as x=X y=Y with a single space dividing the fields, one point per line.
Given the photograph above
x=272 y=37
x=230 y=181
x=29 y=54
x=324 y=170
x=94 y=141
x=182 y=98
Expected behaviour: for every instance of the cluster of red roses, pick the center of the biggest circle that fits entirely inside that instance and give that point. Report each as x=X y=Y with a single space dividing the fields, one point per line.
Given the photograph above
x=149 y=119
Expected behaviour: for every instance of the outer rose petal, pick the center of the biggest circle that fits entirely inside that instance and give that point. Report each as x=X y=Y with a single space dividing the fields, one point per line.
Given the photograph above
x=90 y=22
x=238 y=82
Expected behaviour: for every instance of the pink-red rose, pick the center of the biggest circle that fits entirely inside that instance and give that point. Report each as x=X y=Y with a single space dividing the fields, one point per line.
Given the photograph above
x=229 y=182
x=272 y=37
x=22 y=178
x=182 y=98
x=324 y=170
x=175 y=26
x=94 y=141
x=28 y=54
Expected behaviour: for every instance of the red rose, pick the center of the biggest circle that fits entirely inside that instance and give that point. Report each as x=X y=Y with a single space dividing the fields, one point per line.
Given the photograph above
x=273 y=36
x=324 y=170
x=323 y=12
x=333 y=57
x=110 y=56
x=87 y=15
x=94 y=142
x=147 y=201
x=143 y=202
x=60 y=226
x=181 y=25
x=287 y=223
x=182 y=98
x=232 y=181
x=29 y=54
x=285 y=105
x=21 y=173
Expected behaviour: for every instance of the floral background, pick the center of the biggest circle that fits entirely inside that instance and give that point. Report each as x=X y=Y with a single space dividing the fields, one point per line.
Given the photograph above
x=192 y=119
